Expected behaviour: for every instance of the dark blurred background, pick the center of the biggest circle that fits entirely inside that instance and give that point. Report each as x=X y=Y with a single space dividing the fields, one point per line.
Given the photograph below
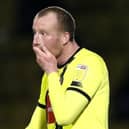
x=102 y=26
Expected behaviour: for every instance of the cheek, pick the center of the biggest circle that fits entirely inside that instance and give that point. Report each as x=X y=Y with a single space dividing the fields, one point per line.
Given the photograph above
x=54 y=45
x=52 y=42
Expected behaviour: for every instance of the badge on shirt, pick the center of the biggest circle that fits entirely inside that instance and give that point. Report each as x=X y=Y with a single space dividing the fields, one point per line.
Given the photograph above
x=79 y=74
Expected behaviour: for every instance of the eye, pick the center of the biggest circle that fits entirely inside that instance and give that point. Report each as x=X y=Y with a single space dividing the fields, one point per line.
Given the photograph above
x=43 y=33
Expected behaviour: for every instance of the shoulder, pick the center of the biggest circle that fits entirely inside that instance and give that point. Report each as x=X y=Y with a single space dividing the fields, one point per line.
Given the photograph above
x=88 y=57
x=92 y=61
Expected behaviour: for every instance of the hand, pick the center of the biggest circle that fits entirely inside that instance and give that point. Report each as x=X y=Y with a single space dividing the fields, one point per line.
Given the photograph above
x=45 y=59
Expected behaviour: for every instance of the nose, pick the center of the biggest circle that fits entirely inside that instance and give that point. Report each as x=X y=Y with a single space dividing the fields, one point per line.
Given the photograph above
x=36 y=39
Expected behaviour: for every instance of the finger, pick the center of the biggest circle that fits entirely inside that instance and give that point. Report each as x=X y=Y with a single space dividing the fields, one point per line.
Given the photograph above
x=43 y=47
x=38 y=54
x=37 y=51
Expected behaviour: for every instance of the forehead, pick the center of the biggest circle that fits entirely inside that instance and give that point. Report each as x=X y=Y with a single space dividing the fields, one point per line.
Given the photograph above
x=47 y=21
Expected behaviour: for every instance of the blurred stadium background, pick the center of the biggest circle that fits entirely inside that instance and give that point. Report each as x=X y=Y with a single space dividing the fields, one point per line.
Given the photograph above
x=102 y=26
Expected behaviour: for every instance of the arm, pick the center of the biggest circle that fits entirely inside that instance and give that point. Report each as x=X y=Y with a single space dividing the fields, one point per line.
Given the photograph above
x=69 y=104
x=38 y=119
x=66 y=105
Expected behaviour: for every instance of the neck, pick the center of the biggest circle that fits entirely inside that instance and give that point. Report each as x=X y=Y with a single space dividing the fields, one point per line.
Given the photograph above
x=68 y=50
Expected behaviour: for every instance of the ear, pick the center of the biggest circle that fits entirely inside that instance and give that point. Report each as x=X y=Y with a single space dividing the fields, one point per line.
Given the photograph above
x=65 y=38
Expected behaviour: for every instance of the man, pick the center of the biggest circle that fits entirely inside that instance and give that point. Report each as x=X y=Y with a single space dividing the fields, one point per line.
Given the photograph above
x=75 y=85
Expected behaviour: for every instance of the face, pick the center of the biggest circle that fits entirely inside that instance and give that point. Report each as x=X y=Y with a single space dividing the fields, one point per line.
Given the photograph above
x=47 y=32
